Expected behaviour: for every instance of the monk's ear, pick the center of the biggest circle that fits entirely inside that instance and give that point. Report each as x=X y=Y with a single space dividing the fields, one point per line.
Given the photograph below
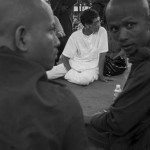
x=20 y=38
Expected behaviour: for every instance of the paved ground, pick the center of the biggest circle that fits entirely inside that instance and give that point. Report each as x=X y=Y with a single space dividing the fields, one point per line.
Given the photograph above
x=98 y=95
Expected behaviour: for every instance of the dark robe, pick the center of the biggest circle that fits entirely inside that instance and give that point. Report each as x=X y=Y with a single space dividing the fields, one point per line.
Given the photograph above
x=126 y=125
x=36 y=114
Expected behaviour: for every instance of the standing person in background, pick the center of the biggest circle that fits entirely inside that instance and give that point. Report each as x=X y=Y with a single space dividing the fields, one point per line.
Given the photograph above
x=63 y=9
x=35 y=114
x=126 y=124
x=58 y=30
x=59 y=33
x=99 y=6
x=58 y=27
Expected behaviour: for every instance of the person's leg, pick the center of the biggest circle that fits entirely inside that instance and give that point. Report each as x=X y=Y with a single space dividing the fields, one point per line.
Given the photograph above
x=75 y=77
x=91 y=74
x=56 y=72
x=82 y=78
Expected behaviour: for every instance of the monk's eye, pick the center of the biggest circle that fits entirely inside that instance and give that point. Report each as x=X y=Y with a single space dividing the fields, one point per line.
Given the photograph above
x=114 y=29
x=130 y=25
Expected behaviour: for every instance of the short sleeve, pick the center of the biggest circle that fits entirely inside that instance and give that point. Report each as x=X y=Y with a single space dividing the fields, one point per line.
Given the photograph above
x=103 y=41
x=71 y=47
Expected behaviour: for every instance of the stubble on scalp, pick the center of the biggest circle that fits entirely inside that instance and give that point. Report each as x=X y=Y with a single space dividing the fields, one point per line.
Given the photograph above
x=14 y=13
x=138 y=3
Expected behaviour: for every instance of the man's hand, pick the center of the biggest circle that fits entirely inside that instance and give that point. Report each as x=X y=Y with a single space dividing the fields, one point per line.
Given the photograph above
x=105 y=79
x=65 y=61
x=102 y=78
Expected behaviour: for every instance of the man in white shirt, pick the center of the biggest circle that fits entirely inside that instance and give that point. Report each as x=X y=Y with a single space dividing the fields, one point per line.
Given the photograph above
x=84 y=54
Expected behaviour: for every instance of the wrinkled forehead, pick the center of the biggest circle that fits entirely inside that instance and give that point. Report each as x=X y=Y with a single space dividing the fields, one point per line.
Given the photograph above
x=118 y=11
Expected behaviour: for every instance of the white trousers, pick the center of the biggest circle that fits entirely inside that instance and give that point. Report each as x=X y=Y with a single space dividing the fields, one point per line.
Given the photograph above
x=81 y=78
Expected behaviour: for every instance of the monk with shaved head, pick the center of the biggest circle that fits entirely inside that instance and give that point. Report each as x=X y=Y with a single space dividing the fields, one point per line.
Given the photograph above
x=126 y=124
x=35 y=114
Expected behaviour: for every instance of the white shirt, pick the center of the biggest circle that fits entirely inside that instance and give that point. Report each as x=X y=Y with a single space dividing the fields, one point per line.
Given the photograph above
x=84 y=51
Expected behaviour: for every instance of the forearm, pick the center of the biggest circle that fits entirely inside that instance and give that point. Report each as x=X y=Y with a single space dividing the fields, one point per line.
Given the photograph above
x=101 y=63
x=117 y=119
x=65 y=61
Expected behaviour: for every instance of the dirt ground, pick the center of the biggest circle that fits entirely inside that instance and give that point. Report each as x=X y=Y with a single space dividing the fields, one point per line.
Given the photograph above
x=98 y=95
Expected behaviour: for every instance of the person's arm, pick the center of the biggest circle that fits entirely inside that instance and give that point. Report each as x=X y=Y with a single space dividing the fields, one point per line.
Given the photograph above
x=103 y=46
x=101 y=66
x=65 y=61
x=69 y=51
x=132 y=102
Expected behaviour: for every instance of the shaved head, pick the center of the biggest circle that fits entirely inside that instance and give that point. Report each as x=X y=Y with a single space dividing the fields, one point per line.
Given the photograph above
x=14 y=13
x=129 y=23
x=123 y=4
x=118 y=2
x=27 y=28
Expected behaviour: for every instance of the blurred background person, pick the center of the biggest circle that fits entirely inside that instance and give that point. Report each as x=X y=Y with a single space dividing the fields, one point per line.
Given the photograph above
x=99 y=6
x=63 y=9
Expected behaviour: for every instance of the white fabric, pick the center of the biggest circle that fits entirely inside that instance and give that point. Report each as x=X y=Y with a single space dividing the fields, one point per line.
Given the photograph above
x=84 y=52
x=82 y=78
x=57 y=72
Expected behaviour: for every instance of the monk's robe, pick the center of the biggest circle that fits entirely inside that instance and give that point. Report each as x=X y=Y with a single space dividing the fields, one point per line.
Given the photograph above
x=36 y=114
x=126 y=125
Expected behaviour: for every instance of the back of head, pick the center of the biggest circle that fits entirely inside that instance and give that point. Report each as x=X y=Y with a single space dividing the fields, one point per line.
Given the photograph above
x=14 y=13
x=27 y=27
x=88 y=16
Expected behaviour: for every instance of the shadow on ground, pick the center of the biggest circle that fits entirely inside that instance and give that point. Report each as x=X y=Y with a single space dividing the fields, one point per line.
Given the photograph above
x=98 y=95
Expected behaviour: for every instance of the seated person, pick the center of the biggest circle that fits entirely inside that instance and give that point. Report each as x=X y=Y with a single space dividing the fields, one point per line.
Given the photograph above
x=126 y=124
x=84 y=54
x=35 y=113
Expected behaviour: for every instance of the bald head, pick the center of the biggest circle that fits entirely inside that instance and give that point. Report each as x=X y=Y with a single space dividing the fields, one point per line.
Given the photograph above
x=124 y=4
x=27 y=28
x=118 y=2
x=14 y=13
